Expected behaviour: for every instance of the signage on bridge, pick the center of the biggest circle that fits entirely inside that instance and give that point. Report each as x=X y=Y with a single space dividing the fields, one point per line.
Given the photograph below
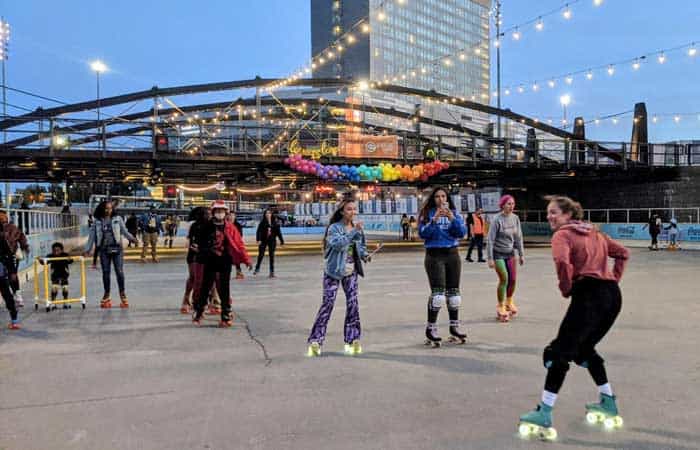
x=355 y=145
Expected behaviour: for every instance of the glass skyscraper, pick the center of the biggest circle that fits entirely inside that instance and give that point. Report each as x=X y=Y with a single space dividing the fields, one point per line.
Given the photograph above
x=426 y=44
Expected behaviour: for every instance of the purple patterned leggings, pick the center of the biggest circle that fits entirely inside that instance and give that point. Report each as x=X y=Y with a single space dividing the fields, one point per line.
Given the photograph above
x=352 y=311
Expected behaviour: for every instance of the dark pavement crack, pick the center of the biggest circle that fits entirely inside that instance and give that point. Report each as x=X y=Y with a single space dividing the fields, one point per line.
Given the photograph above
x=255 y=339
x=86 y=400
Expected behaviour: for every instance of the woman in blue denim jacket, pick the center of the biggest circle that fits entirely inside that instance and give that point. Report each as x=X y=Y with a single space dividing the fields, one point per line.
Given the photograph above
x=106 y=235
x=344 y=249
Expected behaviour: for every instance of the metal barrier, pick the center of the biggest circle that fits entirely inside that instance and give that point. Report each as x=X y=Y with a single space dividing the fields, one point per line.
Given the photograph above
x=31 y=221
x=629 y=215
x=51 y=294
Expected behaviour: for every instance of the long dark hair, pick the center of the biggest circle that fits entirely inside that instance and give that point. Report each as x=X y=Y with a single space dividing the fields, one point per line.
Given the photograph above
x=197 y=214
x=273 y=217
x=100 y=210
x=336 y=217
x=430 y=204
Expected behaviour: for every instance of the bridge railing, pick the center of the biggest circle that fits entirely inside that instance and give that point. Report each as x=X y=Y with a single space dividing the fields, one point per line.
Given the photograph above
x=250 y=141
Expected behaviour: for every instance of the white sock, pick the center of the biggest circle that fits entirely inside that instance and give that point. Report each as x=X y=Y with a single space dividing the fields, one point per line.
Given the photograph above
x=605 y=389
x=549 y=398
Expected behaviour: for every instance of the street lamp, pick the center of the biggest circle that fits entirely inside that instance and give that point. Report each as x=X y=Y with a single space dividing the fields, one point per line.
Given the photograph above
x=98 y=67
x=565 y=100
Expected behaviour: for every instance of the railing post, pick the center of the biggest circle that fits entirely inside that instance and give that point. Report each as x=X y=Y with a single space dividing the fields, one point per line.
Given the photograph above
x=607 y=216
x=596 y=161
x=567 y=156
x=624 y=156
x=537 y=154
x=474 y=152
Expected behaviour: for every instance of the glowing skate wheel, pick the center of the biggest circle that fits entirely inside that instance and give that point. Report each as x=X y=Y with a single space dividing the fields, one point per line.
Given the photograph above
x=618 y=421
x=591 y=418
x=609 y=423
x=524 y=430
x=550 y=434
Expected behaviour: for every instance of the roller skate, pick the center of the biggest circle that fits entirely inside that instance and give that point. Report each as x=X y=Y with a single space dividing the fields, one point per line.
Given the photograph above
x=197 y=319
x=354 y=348
x=511 y=308
x=455 y=336
x=226 y=323
x=539 y=423
x=239 y=275
x=185 y=309
x=313 y=350
x=502 y=313
x=106 y=303
x=124 y=304
x=604 y=412
x=432 y=339
x=13 y=325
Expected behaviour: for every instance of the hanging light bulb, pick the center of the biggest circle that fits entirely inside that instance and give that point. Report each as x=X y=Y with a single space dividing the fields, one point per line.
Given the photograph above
x=589 y=75
x=677 y=119
x=516 y=34
x=597 y=2
x=539 y=25
x=692 y=51
x=567 y=12
x=636 y=65
x=662 y=58
x=654 y=119
x=611 y=70
x=569 y=79
x=535 y=87
x=477 y=51
x=597 y=121
x=497 y=43
x=521 y=89
x=551 y=83
x=381 y=15
x=507 y=92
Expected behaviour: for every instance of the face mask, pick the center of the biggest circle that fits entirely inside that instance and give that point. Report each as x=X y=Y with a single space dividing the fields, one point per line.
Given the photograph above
x=220 y=216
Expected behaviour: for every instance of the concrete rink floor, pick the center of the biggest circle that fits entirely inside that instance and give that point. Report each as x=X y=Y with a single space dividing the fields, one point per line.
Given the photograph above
x=145 y=378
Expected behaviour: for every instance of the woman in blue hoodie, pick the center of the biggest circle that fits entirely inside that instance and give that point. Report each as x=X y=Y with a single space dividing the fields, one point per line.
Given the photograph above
x=344 y=249
x=441 y=227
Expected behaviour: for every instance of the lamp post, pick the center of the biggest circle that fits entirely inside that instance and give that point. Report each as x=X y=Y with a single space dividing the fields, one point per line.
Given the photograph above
x=98 y=67
x=565 y=100
x=4 y=44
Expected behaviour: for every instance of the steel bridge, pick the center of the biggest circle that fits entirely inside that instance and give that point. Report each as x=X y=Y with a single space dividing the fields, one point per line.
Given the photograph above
x=228 y=141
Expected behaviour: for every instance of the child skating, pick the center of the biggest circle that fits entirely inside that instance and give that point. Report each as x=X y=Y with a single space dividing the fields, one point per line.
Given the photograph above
x=580 y=255
x=441 y=227
x=59 y=271
x=344 y=249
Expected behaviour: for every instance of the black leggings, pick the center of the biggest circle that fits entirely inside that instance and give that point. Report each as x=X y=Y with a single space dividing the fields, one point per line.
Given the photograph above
x=444 y=268
x=594 y=307
x=271 y=245
x=222 y=266
x=8 y=297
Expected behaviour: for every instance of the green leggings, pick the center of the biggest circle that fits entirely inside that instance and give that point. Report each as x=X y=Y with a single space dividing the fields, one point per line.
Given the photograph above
x=507 y=274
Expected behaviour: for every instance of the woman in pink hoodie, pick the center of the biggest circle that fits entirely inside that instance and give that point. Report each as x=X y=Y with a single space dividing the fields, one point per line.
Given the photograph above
x=581 y=255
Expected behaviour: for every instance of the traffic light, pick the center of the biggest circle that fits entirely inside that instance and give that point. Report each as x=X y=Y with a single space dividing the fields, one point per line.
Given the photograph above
x=162 y=143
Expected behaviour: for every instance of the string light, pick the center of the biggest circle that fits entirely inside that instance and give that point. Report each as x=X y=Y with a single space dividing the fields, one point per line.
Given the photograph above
x=597 y=2
x=692 y=51
x=567 y=13
x=539 y=26
x=589 y=75
x=636 y=65
x=662 y=58
x=516 y=34
x=611 y=70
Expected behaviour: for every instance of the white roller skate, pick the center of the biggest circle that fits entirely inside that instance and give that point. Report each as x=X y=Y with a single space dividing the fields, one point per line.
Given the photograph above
x=432 y=339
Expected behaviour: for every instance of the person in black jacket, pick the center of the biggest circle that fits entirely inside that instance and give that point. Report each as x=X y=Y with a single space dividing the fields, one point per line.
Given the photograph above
x=6 y=256
x=268 y=232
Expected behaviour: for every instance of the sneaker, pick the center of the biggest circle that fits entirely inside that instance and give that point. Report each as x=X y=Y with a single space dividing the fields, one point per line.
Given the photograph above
x=482 y=260
x=272 y=275
x=468 y=259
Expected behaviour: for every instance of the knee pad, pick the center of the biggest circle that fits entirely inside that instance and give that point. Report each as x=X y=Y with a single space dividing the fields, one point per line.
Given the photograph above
x=589 y=360
x=54 y=288
x=453 y=301
x=553 y=359
x=436 y=300
x=65 y=289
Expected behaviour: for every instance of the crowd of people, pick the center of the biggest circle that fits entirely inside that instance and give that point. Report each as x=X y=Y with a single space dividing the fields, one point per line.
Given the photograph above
x=215 y=246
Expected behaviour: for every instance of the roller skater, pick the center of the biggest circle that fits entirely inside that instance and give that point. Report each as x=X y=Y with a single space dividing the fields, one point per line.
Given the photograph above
x=441 y=227
x=19 y=246
x=344 y=250
x=59 y=271
x=505 y=240
x=6 y=258
x=580 y=255
x=106 y=236
x=218 y=248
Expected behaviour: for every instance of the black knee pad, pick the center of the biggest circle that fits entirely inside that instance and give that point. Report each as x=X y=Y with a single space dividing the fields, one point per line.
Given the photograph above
x=553 y=359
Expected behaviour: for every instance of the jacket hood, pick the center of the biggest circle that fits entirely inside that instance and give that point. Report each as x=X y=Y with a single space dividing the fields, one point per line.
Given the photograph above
x=583 y=228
